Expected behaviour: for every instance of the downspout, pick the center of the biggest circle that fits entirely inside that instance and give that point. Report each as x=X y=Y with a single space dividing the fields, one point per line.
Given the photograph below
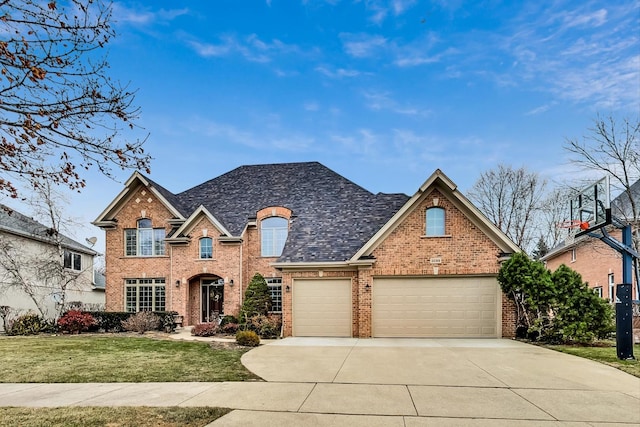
x=241 y=275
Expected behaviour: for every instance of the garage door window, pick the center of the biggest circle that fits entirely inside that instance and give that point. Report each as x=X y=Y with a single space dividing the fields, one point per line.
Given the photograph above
x=435 y=222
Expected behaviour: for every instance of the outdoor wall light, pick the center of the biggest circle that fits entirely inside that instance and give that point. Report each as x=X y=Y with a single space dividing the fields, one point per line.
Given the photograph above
x=231 y=282
x=287 y=288
x=177 y=283
x=367 y=287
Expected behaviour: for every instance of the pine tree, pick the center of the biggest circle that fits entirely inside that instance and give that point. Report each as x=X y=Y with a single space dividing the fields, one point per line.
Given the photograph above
x=257 y=299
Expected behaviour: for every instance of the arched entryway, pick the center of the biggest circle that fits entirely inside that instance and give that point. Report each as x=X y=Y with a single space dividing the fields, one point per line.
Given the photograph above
x=211 y=298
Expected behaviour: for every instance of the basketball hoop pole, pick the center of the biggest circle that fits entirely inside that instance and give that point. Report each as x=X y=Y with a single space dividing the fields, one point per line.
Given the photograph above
x=624 y=327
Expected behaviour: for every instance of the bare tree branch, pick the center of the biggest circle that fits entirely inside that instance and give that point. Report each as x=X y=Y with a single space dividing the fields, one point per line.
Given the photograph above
x=58 y=106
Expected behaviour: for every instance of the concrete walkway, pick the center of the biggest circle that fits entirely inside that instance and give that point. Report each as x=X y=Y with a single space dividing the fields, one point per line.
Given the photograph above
x=380 y=382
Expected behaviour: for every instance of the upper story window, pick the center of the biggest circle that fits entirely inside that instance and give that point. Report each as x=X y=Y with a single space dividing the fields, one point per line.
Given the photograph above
x=274 y=232
x=573 y=254
x=72 y=260
x=144 y=240
x=435 y=221
x=206 y=248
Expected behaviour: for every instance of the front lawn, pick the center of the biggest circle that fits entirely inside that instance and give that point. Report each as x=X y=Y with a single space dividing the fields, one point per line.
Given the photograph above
x=113 y=417
x=603 y=354
x=113 y=358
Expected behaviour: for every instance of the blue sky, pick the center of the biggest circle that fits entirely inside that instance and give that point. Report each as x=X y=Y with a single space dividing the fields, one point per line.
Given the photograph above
x=382 y=92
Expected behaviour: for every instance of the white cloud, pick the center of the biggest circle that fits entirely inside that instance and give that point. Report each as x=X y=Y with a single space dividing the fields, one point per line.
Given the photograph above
x=251 y=47
x=382 y=101
x=126 y=15
x=311 y=106
x=337 y=73
x=363 y=45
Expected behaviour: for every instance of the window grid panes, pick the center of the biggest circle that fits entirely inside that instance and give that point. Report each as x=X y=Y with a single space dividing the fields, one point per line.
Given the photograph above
x=144 y=240
x=72 y=260
x=435 y=222
x=206 y=247
x=274 y=232
x=145 y=295
x=275 y=291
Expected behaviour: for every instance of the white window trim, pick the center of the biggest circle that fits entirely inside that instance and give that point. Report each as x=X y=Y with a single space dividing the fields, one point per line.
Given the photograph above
x=200 y=248
x=136 y=283
x=157 y=245
x=444 y=221
x=275 y=282
x=273 y=252
x=73 y=257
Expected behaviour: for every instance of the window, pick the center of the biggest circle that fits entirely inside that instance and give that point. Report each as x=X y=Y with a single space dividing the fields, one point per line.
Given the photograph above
x=573 y=255
x=72 y=260
x=435 y=222
x=144 y=240
x=206 y=247
x=598 y=291
x=275 y=290
x=274 y=234
x=145 y=295
x=612 y=287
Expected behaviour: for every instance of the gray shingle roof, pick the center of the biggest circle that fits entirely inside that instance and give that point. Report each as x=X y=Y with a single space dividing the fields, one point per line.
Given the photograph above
x=14 y=222
x=332 y=216
x=621 y=205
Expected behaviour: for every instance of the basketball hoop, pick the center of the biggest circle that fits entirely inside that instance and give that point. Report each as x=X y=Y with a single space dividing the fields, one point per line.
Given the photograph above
x=574 y=223
x=572 y=226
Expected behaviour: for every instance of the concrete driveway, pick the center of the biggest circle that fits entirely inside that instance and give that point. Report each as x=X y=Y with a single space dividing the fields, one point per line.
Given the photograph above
x=416 y=382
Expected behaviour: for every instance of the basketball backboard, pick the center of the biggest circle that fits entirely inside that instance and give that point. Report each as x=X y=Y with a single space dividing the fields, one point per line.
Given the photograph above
x=590 y=207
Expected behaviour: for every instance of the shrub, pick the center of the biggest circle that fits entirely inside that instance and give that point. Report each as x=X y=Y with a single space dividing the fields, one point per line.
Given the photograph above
x=108 y=321
x=75 y=321
x=228 y=319
x=248 y=338
x=229 y=328
x=553 y=307
x=167 y=320
x=265 y=326
x=142 y=322
x=6 y=313
x=257 y=299
x=205 y=329
x=27 y=324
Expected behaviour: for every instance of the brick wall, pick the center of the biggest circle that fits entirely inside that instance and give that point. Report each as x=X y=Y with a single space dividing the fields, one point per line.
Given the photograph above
x=140 y=204
x=594 y=260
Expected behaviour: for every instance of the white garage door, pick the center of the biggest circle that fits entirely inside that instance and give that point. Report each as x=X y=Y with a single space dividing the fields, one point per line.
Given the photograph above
x=435 y=307
x=322 y=308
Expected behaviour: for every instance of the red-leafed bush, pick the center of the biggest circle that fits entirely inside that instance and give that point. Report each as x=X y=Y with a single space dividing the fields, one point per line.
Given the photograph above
x=205 y=329
x=75 y=321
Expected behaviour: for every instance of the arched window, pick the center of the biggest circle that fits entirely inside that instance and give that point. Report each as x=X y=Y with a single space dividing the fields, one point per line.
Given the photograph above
x=274 y=232
x=206 y=247
x=435 y=222
x=144 y=240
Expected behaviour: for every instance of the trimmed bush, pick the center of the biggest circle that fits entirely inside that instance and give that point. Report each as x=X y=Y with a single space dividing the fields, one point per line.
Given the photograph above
x=248 y=338
x=167 y=320
x=142 y=322
x=228 y=319
x=75 y=321
x=257 y=299
x=229 y=328
x=27 y=324
x=205 y=329
x=265 y=326
x=108 y=321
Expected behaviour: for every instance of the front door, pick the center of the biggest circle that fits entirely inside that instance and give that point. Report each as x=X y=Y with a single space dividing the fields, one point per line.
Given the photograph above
x=212 y=300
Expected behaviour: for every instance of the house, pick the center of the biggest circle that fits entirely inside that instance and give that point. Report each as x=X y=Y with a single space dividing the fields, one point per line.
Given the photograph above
x=599 y=265
x=339 y=260
x=41 y=270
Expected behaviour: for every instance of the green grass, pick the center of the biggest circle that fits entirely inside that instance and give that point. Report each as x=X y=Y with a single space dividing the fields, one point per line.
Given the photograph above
x=112 y=417
x=604 y=354
x=83 y=359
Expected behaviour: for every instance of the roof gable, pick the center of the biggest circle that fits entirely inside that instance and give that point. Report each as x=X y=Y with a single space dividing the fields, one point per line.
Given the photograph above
x=438 y=180
x=168 y=199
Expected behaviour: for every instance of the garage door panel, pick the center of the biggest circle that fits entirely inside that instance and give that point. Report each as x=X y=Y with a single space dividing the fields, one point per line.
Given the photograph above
x=322 y=308
x=435 y=307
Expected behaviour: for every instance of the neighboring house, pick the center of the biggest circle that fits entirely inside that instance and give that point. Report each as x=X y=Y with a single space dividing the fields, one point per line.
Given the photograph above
x=339 y=260
x=598 y=264
x=56 y=269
